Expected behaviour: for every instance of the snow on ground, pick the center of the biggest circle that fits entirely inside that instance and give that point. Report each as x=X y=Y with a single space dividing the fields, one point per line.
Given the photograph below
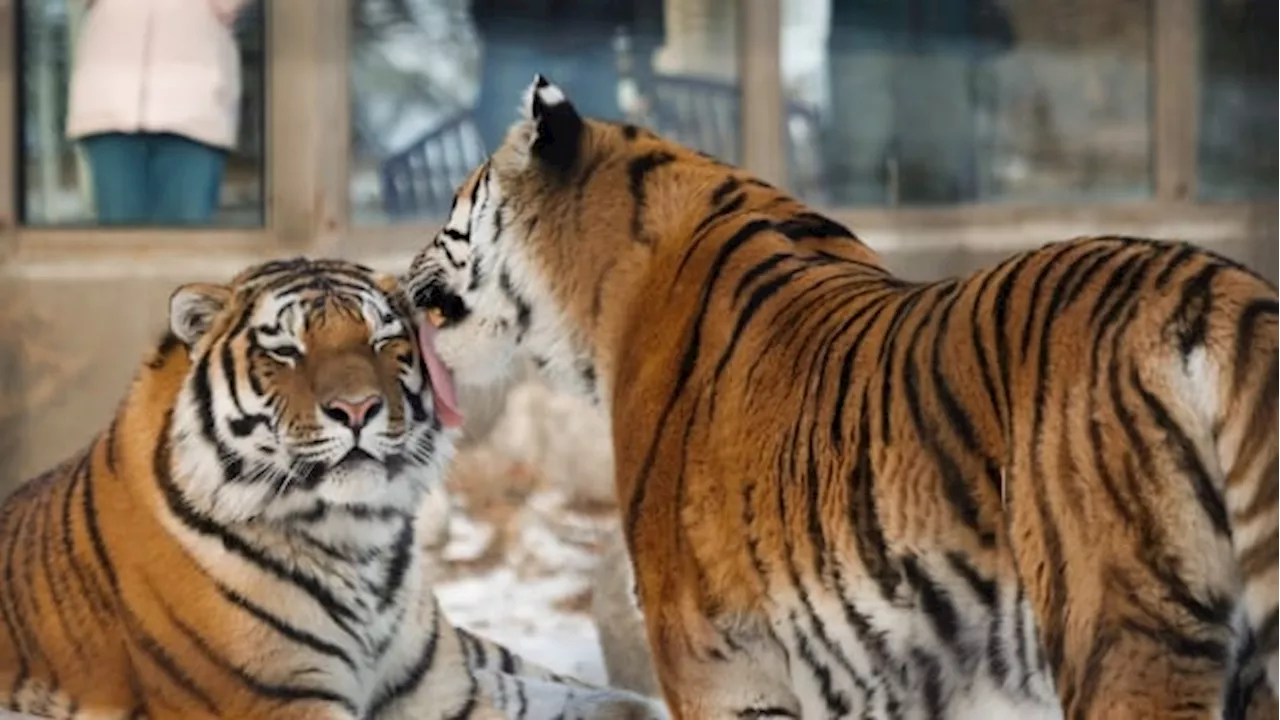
x=520 y=551
x=523 y=615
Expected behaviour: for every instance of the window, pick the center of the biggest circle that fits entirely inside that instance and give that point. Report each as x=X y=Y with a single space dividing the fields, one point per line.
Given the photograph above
x=1238 y=99
x=436 y=83
x=160 y=123
x=929 y=102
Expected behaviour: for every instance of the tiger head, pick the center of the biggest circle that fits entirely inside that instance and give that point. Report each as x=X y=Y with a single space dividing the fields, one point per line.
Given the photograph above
x=536 y=257
x=305 y=393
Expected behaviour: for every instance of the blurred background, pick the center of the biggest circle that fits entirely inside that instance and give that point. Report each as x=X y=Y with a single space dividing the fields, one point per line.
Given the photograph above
x=947 y=133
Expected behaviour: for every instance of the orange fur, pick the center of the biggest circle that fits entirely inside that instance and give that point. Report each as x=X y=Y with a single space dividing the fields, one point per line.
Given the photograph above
x=223 y=550
x=802 y=439
x=103 y=607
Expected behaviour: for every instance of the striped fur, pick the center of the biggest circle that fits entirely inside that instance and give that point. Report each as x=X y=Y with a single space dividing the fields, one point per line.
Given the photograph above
x=231 y=547
x=1048 y=489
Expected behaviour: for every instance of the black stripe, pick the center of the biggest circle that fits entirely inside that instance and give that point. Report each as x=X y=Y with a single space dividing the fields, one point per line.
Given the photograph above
x=875 y=306
x=981 y=348
x=726 y=210
x=1184 y=254
x=759 y=296
x=1002 y=304
x=690 y=357
x=415 y=673
x=955 y=480
x=887 y=351
x=799 y=313
x=983 y=588
x=811 y=225
x=99 y=604
x=1246 y=332
x=1031 y=319
x=638 y=170
x=144 y=641
x=864 y=512
x=1188 y=458
x=56 y=580
x=402 y=553
x=296 y=634
x=935 y=602
x=341 y=615
x=260 y=688
x=11 y=520
x=837 y=703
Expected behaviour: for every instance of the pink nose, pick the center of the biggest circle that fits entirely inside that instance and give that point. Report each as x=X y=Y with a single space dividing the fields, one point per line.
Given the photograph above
x=353 y=414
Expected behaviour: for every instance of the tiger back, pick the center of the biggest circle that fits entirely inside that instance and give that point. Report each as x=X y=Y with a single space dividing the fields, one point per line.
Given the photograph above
x=240 y=540
x=1046 y=489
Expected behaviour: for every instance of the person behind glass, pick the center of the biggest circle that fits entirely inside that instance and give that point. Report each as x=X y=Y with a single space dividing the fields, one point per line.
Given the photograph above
x=902 y=77
x=155 y=103
x=569 y=41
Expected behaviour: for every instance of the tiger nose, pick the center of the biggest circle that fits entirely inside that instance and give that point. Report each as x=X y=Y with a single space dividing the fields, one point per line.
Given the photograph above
x=353 y=413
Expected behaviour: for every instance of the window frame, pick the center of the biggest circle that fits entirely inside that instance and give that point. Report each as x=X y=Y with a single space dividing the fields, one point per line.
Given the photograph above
x=8 y=127
x=307 y=145
x=296 y=209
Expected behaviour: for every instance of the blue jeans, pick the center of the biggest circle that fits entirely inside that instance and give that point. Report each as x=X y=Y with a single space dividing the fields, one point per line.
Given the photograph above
x=154 y=178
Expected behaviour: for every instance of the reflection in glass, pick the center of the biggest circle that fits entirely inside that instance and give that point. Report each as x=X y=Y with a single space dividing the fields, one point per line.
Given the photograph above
x=934 y=102
x=1238 y=99
x=141 y=113
x=436 y=83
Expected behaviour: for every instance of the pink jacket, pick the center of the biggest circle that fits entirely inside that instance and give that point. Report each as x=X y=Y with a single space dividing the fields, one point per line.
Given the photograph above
x=157 y=66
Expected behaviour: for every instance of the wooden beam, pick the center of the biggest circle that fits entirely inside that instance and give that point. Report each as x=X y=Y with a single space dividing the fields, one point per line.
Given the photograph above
x=9 y=123
x=1176 y=79
x=762 y=136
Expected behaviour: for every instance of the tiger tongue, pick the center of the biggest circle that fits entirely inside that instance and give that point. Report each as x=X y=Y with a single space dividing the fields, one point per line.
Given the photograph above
x=442 y=388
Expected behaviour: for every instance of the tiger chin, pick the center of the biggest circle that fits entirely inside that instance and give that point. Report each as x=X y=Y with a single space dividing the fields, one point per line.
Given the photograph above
x=1047 y=489
x=240 y=540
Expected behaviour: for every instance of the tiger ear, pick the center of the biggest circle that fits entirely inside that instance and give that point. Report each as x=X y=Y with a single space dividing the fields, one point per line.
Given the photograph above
x=387 y=283
x=192 y=308
x=555 y=128
x=394 y=288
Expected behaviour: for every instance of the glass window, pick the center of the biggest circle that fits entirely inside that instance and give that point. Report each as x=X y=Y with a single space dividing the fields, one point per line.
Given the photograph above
x=436 y=83
x=141 y=114
x=1238 y=99
x=931 y=102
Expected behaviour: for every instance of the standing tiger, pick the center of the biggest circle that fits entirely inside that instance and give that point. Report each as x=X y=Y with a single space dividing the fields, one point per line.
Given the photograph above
x=240 y=541
x=1045 y=490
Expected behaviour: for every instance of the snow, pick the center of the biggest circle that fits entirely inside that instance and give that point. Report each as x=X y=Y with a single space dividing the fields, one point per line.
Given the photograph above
x=521 y=547
x=521 y=613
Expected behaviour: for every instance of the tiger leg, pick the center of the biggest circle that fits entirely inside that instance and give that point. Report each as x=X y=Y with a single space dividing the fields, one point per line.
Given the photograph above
x=1130 y=627
x=711 y=670
x=427 y=676
x=531 y=698
x=1256 y=705
x=446 y=672
x=486 y=655
x=523 y=689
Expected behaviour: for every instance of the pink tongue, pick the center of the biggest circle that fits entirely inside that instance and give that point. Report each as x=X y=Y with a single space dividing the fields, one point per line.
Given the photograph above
x=446 y=396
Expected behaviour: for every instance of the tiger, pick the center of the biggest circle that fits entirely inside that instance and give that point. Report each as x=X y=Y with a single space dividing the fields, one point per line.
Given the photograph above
x=849 y=494
x=239 y=541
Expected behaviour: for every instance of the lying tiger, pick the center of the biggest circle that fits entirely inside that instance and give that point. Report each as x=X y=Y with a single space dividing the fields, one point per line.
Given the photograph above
x=239 y=542
x=1046 y=489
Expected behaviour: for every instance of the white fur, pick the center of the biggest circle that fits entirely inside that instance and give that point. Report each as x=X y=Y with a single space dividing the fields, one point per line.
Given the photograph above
x=485 y=348
x=549 y=95
x=258 y=514
x=198 y=467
